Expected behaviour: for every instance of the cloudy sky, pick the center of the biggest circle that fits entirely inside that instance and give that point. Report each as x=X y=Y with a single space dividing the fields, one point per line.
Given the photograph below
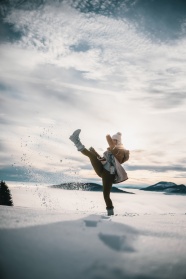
x=102 y=66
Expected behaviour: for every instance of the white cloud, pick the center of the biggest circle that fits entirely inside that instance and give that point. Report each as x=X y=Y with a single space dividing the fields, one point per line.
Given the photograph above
x=117 y=52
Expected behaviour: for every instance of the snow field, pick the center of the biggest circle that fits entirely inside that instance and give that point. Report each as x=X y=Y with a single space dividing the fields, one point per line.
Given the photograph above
x=70 y=236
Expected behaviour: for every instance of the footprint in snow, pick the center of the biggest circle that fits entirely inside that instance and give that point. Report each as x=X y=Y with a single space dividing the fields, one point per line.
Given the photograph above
x=92 y=221
x=117 y=242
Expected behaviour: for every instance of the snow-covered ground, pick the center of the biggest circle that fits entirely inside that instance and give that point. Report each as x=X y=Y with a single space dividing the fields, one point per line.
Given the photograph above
x=54 y=233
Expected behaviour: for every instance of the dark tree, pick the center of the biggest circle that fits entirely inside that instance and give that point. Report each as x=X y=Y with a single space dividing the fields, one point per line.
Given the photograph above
x=5 y=195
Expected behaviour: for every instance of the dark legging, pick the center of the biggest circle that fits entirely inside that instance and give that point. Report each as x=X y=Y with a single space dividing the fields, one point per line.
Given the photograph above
x=107 y=178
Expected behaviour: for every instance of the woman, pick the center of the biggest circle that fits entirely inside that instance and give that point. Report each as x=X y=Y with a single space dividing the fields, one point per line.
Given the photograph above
x=107 y=167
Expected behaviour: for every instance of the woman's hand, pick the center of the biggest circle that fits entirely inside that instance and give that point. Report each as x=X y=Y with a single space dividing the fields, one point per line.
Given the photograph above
x=110 y=141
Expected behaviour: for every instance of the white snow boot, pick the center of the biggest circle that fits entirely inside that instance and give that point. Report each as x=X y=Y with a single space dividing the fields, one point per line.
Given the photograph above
x=110 y=211
x=75 y=139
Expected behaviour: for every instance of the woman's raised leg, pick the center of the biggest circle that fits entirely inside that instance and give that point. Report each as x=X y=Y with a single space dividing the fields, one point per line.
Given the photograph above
x=97 y=165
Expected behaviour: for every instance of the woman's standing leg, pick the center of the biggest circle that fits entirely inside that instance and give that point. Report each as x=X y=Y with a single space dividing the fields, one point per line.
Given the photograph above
x=108 y=180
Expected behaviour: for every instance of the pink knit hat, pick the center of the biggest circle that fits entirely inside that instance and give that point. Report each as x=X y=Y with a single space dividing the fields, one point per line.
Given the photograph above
x=117 y=137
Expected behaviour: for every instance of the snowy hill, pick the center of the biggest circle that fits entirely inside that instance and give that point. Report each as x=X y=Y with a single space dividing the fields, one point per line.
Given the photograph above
x=86 y=187
x=168 y=187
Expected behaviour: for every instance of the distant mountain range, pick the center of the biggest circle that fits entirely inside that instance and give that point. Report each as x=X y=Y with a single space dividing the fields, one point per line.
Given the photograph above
x=87 y=187
x=168 y=187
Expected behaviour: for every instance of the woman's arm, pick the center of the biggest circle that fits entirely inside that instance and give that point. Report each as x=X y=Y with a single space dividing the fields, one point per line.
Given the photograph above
x=118 y=153
x=110 y=141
